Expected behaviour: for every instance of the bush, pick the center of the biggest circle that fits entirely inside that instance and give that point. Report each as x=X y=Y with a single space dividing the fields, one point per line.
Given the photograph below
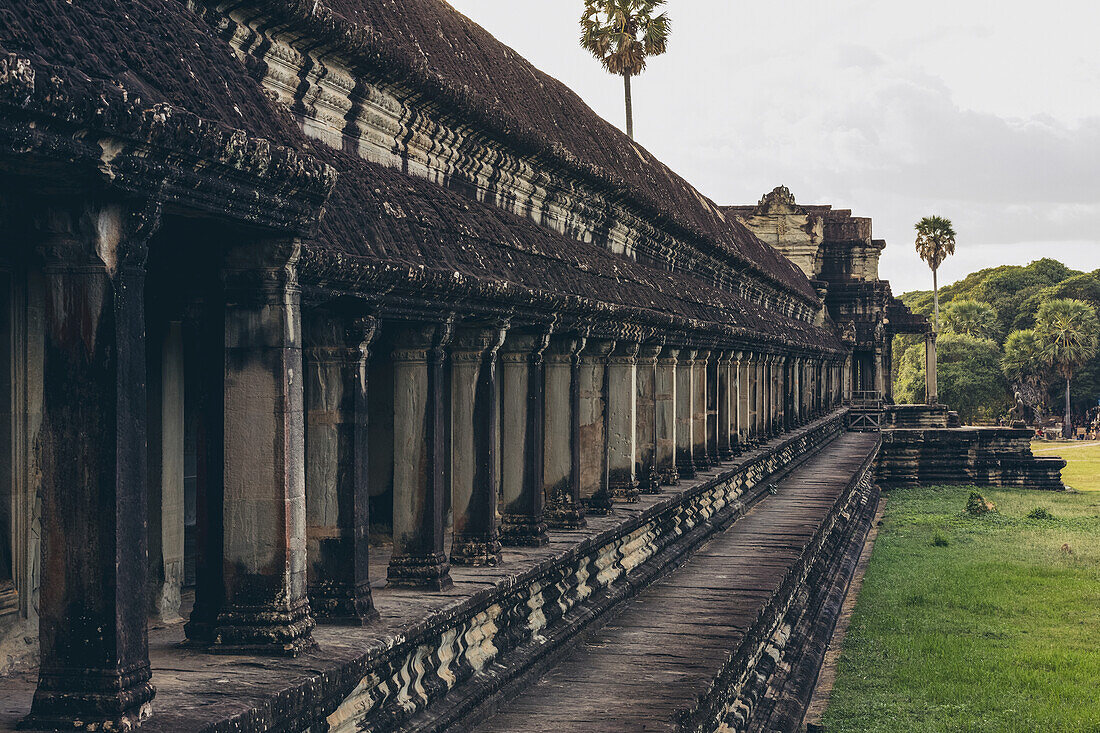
x=1040 y=512
x=979 y=505
x=938 y=540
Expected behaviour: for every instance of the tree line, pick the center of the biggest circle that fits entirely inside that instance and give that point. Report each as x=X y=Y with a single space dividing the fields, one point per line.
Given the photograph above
x=1011 y=334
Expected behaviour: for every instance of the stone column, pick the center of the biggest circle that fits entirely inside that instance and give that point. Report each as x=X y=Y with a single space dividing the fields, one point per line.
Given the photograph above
x=522 y=498
x=666 y=416
x=699 y=405
x=768 y=390
x=796 y=391
x=92 y=457
x=204 y=360
x=880 y=374
x=337 y=483
x=749 y=396
x=738 y=396
x=562 y=434
x=761 y=406
x=267 y=610
x=418 y=559
x=711 y=372
x=595 y=494
x=931 y=387
x=727 y=439
x=685 y=413
x=649 y=480
x=166 y=451
x=475 y=437
x=846 y=380
x=781 y=393
x=622 y=391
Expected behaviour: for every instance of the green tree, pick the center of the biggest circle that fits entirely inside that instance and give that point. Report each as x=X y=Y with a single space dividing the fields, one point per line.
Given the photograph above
x=970 y=378
x=935 y=242
x=1026 y=370
x=1067 y=331
x=971 y=318
x=623 y=35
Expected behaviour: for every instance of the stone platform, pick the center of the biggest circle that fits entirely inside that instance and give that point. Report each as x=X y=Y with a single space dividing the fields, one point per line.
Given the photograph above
x=732 y=640
x=449 y=652
x=982 y=456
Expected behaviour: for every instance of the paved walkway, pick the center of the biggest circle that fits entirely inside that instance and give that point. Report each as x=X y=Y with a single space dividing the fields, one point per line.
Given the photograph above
x=666 y=646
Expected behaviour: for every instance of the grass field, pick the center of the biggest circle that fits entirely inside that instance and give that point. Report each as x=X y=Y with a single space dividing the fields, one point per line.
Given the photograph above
x=1083 y=471
x=965 y=623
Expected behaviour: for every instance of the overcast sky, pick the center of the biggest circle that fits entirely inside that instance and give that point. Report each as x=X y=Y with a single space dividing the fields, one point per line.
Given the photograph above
x=984 y=112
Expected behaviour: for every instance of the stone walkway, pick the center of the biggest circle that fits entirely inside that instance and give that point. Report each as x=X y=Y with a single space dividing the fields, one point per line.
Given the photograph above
x=669 y=643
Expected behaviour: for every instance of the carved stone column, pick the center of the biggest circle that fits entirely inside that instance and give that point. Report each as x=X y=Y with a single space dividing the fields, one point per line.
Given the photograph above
x=666 y=416
x=766 y=385
x=418 y=559
x=846 y=380
x=649 y=480
x=267 y=610
x=91 y=453
x=622 y=392
x=931 y=382
x=685 y=414
x=595 y=493
x=699 y=409
x=727 y=439
x=523 y=501
x=796 y=391
x=475 y=437
x=738 y=398
x=337 y=496
x=562 y=435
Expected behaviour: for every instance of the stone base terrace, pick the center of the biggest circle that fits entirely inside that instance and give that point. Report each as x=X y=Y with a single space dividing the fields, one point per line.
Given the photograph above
x=459 y=646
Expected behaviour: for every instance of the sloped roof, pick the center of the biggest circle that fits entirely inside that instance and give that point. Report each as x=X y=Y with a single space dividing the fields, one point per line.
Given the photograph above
x=159 y=51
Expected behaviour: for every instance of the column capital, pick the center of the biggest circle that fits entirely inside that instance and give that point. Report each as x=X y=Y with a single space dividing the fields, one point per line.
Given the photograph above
x=651 y=352
x=417 y=341
x=598 y=348
x=564 y=348
x=669 y=354
x=103 y=237
x=471 y=343
x=625 y=353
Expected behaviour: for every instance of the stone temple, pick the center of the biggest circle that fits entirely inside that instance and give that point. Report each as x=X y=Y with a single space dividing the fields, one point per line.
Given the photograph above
x=355 y=370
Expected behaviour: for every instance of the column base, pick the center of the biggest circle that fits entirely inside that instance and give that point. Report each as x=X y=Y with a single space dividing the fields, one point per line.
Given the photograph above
x=269 y=629
x=565 y=517
x=651 y=483
x=523 y=531
x=599 y=504
x=91 y=700
x=686 y=469
x=430 y=572
x=475 y=551
x=702 y=462
x=200 y=626
x=670 y=477
x=626 y=491
x=726 y=453
x=342 y=604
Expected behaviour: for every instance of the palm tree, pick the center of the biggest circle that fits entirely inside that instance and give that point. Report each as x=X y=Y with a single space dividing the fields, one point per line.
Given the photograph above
x=935 y=241
x=971 y=318
x=1067 y=331
x=623 y=34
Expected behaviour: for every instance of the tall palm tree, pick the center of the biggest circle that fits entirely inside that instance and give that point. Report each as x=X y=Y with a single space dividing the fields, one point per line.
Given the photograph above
x=935 y=242
x=1067 y=331
x=622 y=35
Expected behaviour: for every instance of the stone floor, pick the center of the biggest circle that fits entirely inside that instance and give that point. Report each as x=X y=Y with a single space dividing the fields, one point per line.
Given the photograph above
x=664 y=649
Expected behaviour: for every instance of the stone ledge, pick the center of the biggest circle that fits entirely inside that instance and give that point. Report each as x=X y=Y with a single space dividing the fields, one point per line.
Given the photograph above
x=983 y=456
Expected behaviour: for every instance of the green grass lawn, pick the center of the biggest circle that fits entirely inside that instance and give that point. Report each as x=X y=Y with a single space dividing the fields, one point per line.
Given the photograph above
x=1083 y=471
x=976 y=623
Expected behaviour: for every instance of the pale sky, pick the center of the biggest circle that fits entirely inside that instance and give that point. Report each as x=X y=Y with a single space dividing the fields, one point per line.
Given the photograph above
x=987 y=113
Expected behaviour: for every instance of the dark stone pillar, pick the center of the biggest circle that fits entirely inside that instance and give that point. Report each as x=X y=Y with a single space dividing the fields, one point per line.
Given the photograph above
x=685 y=413
x=727 y=440
x=419 y=559
x=204 y=363
x=562 y=434
x=700 y=453
x=266 y=608
x=475 y=419
x=649 y=480
x=595 y=493
x=622 y=395
x=522 y=521
x=665 y=398
x=91 y=452
x=337 y=512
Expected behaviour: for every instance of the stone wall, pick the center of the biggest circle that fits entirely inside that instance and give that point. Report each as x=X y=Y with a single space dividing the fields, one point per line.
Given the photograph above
x=981 y=456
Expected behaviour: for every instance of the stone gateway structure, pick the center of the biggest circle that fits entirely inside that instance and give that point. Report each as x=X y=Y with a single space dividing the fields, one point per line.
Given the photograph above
x=353 y=369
